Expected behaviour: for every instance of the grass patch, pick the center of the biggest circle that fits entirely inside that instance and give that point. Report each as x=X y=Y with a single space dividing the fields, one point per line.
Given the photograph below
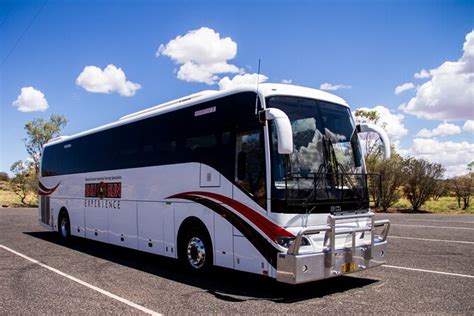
x=445 y=205
x=10 y=199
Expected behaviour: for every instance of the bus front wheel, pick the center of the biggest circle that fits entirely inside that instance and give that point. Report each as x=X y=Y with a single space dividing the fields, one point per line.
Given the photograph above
x=195 y=250
x=64 y=225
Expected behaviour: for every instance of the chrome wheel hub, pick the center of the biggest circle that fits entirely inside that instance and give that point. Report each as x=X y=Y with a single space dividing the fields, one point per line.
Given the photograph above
x=196 y=253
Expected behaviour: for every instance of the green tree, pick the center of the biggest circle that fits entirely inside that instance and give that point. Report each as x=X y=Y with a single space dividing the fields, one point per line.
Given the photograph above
x=441 y=189
x=365 y=115
x=390 y=176
x=384 y=193
x=470 y=166
x=39 y=132
x=22 y=181
x=421 y=180
x=463 y=187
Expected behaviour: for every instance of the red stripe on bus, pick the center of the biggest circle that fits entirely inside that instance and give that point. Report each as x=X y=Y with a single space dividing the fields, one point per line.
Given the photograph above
x=269 y=228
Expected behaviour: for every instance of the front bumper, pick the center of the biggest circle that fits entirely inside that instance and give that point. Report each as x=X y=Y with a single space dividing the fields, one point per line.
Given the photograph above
x=294 y=267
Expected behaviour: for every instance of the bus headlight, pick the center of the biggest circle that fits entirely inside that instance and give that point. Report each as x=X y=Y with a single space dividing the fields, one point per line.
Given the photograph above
x=287 y=241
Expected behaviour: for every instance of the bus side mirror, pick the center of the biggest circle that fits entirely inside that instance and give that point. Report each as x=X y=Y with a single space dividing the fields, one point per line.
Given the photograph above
x=283 y=129
x=371 y=128
x=241 y=165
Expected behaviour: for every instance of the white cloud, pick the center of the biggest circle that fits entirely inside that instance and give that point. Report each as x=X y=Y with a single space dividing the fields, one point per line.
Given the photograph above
x=452 y=155
x=391 y=122
x=111 y=79
x=404 y=87
x=402 y=106
x=423 y=74
x=424 y=133
x=202 y=46
x=201 y=54
x=30 y=100
x=468 y=126
x=333 y=87
x=448 y=95
x=443 y=129
x=287 y=81
x=192 y=72
x=238 y=80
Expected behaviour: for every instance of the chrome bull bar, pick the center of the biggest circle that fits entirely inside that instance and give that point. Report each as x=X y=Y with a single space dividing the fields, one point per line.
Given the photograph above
x=329 y=257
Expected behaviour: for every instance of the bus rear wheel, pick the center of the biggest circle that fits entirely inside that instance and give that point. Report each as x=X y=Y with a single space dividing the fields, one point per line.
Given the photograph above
x=64 y=225
x=195 y=250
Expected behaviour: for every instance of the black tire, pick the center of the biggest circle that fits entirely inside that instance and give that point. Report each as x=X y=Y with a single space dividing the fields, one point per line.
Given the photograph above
x=195 y=250
x=64 y=226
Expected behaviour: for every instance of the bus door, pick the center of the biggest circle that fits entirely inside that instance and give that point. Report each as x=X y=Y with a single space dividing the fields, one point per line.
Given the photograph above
x=250 y=182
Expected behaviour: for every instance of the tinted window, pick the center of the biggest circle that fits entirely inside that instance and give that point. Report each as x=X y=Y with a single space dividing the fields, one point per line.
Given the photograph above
x=186 y=135
x=48 y=164
x=250 y=164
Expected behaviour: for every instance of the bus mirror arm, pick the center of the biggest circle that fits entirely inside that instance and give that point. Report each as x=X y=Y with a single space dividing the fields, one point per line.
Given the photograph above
x=371 y=128
x=283 y=129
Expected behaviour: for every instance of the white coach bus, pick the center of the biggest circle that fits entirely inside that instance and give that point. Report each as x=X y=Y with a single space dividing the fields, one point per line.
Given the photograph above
x=269 y=181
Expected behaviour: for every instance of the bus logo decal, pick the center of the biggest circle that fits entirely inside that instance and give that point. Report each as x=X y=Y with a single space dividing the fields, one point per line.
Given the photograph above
x=101 y=190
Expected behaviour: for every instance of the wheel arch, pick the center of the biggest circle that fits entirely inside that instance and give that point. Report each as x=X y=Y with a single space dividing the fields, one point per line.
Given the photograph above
x=63 y=213
x=189 y=223
x=63 y=210
x=194 y=223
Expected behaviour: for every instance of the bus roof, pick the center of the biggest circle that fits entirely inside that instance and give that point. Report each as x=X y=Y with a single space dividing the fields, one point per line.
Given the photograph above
x=264 y=90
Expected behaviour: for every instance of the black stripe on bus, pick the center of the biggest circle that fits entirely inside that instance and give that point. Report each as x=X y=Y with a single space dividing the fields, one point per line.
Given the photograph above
x=264 y=247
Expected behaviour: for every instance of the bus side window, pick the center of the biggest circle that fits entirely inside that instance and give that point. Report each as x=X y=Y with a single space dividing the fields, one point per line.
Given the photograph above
x=48 y=165
x=250 y=165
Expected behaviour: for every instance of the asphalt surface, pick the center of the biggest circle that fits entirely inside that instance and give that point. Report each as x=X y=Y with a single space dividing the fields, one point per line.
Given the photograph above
x=158 y=284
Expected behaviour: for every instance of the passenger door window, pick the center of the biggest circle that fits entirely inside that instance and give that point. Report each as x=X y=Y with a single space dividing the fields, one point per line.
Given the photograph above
x=250 y=165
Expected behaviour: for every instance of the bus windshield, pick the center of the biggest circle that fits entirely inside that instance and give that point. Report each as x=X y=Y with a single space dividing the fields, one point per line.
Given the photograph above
x=325 y=171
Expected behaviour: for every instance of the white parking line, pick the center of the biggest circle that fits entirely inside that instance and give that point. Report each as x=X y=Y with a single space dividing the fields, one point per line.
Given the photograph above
x=95 y=288
x=429 y=239
x=429 y=271
x=425 y=226
x=434 y=220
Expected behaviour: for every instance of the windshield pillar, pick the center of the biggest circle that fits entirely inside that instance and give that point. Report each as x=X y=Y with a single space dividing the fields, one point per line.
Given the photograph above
x=267 y=148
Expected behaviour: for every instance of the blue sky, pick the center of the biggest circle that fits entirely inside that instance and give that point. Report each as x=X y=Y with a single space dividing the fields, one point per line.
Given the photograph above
x=370 y=47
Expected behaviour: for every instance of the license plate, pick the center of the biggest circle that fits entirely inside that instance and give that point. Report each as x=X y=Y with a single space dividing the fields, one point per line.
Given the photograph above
x=348 y=267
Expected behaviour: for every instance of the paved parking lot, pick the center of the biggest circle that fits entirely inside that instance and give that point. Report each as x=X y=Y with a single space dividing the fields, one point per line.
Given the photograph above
x=429 y=270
